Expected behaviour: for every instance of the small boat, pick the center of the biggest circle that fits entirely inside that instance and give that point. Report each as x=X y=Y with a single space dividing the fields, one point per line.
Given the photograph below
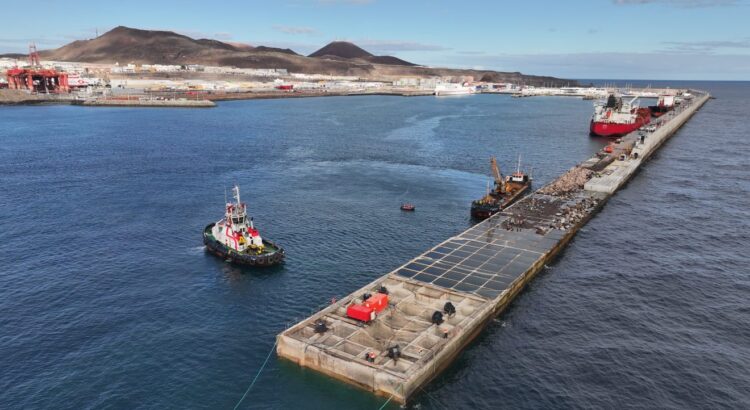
x=236 y=240
x=407 y=207
x=507 y=191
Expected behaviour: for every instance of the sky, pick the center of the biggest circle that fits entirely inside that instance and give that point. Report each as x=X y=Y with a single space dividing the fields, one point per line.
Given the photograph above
x=581 y=39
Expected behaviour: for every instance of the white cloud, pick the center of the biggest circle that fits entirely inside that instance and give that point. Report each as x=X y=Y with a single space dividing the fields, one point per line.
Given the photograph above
x=681 y=3
x=14 y=45
x=349 y=2
x=295 y=30
x=709 y=47
x=654 y=65
x=386 y=46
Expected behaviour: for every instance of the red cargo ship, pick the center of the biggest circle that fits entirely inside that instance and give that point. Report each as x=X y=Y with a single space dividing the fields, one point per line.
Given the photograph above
x=616 y=118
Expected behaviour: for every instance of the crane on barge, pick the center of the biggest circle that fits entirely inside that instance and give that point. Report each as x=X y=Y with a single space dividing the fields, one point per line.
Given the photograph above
x=507 y=190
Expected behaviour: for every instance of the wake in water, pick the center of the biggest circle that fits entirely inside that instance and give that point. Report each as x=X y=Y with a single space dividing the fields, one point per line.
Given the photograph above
x=196 y=250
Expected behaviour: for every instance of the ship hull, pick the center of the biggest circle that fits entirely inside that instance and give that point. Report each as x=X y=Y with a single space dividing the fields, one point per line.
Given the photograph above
x=450 y=93
x=452 y=89
x=611 y=129
x=481 y=212
x=246 y=259
x=484 y=212
x=658 y=111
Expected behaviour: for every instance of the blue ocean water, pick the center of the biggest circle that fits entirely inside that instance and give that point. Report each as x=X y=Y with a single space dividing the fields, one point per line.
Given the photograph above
x=107 y=299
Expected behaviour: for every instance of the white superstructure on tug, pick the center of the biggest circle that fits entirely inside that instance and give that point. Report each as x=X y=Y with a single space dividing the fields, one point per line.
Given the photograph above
x=235 y=231
x=236 y=238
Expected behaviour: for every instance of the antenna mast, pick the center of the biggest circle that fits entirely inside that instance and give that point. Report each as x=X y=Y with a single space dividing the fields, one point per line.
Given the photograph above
x=33 y=56
x=236 y=192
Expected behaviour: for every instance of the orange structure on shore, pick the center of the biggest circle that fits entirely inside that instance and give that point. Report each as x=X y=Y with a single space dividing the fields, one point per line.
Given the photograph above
x=43 y=81
x=37 y=79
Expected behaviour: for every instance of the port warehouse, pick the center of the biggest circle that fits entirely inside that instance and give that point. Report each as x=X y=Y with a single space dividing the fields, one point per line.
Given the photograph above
x=442 y=299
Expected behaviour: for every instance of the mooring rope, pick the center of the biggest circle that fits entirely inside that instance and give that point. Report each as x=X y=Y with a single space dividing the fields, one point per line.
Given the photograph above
x=256 y=376
x=400 y=386
x=430 y=398
x=386 y=403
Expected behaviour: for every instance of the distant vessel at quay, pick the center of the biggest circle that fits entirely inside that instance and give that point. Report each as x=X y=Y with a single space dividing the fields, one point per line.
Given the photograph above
x=665 y=104
x=452 y=89
x=236 y=240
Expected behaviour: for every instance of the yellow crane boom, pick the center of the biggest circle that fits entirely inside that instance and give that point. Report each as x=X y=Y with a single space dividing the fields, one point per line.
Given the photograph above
x=499 y=182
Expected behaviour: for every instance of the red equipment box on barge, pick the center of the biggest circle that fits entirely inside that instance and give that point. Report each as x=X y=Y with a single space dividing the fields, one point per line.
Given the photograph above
x=361 y=313
x=377 y=302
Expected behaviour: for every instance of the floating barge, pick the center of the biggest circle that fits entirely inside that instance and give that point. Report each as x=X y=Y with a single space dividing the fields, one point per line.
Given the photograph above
x=479 y=271
x=506 y=192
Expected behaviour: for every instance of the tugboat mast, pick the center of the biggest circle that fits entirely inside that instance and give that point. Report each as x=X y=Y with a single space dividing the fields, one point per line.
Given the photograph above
x=518 y=168
x=236 y=194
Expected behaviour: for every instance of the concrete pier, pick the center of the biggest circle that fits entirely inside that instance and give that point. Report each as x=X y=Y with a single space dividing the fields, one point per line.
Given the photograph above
x=179 y=103
x=620 y=170
x=479 y=271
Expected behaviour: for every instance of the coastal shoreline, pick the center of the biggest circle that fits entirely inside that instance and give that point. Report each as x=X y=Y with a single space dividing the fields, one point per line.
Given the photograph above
x=15 y=98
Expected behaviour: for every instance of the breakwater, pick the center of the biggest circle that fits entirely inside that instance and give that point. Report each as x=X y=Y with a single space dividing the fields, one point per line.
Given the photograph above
x=479 y=271
x=185 y=103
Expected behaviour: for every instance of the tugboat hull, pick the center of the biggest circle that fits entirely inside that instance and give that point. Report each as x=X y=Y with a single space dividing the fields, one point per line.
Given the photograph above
x=246 y=259
x=483 y=212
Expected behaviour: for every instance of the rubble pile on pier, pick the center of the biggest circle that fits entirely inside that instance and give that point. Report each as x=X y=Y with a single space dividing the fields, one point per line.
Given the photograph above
x=572 y=213
x=573 y=180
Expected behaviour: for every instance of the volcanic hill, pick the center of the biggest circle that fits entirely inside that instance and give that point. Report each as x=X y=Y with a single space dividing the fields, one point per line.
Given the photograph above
x=129 y=45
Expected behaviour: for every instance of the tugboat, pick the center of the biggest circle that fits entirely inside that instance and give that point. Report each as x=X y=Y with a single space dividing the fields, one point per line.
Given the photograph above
x=506 y=191
x=236 y=240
